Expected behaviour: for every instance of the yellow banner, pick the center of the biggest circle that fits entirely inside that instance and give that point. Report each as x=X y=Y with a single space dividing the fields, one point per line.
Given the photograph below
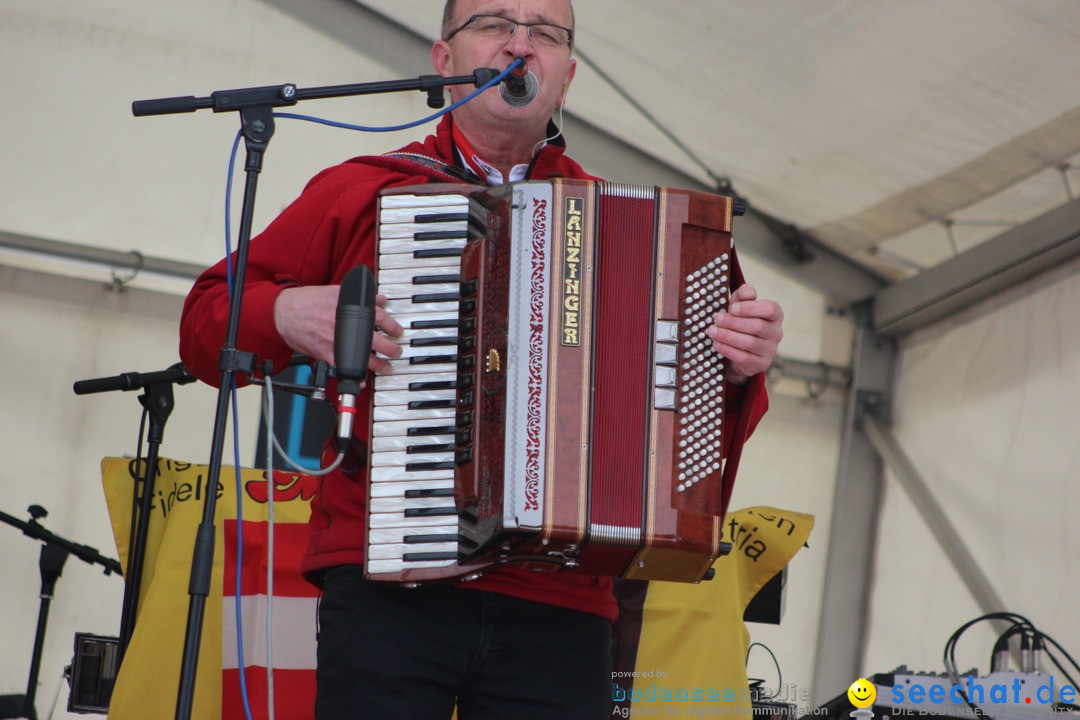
x=691 y=655
x=149 y=678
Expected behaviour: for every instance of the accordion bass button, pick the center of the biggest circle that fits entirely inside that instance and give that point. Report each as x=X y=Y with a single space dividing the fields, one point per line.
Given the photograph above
x=667 y=330
x=664 y=398
x=666 y=353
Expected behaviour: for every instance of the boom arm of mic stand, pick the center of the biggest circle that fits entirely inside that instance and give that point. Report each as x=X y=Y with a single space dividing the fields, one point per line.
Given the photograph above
x=288 y=94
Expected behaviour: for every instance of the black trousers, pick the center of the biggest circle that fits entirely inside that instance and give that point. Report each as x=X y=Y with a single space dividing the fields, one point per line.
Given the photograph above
x=389 y=652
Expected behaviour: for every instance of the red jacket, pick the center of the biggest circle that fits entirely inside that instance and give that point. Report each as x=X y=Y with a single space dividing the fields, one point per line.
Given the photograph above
x=327 y=231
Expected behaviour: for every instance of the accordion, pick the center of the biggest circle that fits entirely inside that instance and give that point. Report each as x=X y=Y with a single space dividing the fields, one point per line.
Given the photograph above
x=558 y=403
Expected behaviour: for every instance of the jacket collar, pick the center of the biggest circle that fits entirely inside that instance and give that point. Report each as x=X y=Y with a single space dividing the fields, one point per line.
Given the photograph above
x=544 y=164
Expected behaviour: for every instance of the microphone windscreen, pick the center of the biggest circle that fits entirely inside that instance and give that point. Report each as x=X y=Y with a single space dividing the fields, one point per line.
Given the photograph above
x=355 y=322
x=524 y=96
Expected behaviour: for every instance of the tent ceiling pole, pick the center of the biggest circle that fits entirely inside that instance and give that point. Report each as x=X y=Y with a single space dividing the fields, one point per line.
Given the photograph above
x=110 y=258
x=918 y=491
x=851 y=556
x=985 y=270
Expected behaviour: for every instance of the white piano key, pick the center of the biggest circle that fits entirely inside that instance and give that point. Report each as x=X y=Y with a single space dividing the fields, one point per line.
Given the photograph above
x=391 y=535
x=406 y=260
x=407 y=231
x=400 y=474
x=396 y=291
x=392 y=413
x=404 y=397
x=449 y=311
x=401 y=428
x=401 y=443
x=397 y=551
x=398 y=520
x=403 y=276
x=398 y=489
x=401 y=459
x=411 y=351
x=402 y=307
x=401 y=504
x=421 y=201
x=403 y=367
x=388 y=247
x=402 y=382
x=409 y=334
x=378 y=567
x=409 y=214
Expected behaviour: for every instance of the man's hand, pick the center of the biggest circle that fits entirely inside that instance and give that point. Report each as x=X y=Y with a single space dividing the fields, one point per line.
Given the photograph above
x=747 y=334
x=305 y=318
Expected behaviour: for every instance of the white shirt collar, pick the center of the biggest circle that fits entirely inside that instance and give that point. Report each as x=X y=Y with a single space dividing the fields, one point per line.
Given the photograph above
x=494 y=176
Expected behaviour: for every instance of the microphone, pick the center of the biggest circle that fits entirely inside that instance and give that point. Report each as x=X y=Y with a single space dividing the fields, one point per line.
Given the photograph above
x=352 y=345
x=520 y=87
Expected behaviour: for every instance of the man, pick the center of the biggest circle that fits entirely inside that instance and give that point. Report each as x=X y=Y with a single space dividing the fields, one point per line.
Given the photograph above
x=514 y=643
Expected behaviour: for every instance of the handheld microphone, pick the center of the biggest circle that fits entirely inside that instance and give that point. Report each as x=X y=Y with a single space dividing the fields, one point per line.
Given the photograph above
x=353 y=329
x=520 y=87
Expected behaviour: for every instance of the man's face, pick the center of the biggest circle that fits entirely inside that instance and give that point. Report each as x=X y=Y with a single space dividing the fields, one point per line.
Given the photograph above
x=468 y=50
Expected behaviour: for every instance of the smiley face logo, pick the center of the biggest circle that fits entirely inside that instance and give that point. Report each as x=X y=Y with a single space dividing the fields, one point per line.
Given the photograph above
x=862 y=693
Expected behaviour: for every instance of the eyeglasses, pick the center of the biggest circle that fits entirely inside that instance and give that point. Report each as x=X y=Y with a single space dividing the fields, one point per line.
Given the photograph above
x=497 y=27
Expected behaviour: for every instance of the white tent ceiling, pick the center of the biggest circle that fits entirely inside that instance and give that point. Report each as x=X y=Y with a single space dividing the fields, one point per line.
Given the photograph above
x=898 y=132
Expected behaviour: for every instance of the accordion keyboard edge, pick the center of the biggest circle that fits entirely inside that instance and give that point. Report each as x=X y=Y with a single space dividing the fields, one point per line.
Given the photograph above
x=558 y=404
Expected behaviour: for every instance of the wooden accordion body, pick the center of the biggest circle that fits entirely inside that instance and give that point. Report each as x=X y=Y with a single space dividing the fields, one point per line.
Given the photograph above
x=575 y=421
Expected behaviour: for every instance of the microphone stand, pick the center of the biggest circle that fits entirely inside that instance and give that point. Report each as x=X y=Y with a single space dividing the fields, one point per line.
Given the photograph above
x=158 y=402
x=255 y=106
x=54 y=553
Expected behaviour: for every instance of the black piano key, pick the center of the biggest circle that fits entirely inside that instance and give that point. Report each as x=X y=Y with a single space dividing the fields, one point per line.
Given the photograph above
x=430 y=511
x=438 y=253
x=424 y=557
x=429 y=466
x=418 y=539
x=433 y=324
x=434 y=385
x=443 y=217
x=433 y=342
x=434 y=448
x=433 y=360
x=431 y=404
x=441 y=492
x=442 y=235
x=436 y=279
x=425 y=431
x=437 y=297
